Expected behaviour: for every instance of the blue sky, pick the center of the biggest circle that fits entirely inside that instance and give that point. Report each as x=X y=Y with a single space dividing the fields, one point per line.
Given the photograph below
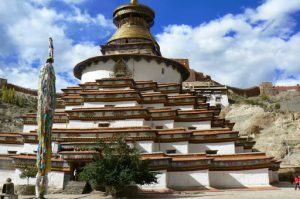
x=237 y=42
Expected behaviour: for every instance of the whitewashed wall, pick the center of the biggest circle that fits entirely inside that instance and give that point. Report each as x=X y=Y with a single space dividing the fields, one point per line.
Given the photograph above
x=70 y=107
x=29 y=127
x=198 y=125
x=212 y=99
x=167 y=124
x=145 y=146
x=239 y=179
x=180 y=147
x=161 y=181
x=56 y=179
x=29 y=148
x=4 y=148
x=188 y=179
x=5 y=173
x=141 y=71
x=113 y=123
x=222 y=147
x=116 y=104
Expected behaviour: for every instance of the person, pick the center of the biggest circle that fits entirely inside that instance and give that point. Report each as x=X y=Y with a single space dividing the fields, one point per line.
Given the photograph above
x=75 y=175
x=291 y=178
x=8 y=188
x=297 y=180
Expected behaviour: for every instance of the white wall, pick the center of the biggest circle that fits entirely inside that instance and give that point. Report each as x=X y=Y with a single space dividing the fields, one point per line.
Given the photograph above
x=145 y=146
x=113 y=123
x=212 y=99
x=141 y=71
x=161 y=181
x=180 y=147
x=29 y=127
x=6 y=174
x=239 y=179
x=198 y=125
x=29 y=148
x=10 y=147
x=116 y=104
x=188 y=179
x=67 y=107
x=56 y=179
x=222 y=147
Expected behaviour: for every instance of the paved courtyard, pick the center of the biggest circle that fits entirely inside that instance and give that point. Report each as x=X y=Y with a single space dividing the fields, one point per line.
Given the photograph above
x=285 y=191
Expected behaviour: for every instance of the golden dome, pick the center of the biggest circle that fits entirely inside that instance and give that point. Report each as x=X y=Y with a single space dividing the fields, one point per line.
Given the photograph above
x=128 y=31
x=133 y=21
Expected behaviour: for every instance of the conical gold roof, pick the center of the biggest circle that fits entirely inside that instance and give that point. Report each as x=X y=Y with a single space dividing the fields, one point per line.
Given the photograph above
x=133 y=21
x=128 y=31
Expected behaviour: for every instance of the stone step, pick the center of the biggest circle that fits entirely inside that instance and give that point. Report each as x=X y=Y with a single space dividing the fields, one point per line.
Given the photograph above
x=77 y=187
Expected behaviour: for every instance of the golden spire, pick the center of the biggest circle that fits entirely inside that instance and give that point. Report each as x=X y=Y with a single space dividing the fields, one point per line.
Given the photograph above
x=134 y=2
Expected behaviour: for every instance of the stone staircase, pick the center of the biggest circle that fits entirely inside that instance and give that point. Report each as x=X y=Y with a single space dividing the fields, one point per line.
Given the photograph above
x=77 y=187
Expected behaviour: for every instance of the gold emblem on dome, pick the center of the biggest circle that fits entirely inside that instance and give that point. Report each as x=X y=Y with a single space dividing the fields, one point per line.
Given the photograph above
x=121 y=70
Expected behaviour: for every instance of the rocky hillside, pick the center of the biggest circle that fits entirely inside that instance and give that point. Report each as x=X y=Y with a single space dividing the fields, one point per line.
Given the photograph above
x=273 y=121
x=10 y=113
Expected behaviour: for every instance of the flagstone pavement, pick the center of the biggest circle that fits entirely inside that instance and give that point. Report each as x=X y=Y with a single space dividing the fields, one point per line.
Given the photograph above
x=283 y=191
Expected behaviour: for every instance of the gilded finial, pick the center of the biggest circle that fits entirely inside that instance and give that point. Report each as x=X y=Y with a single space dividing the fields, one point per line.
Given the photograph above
x=134 y=2
x=51 y=51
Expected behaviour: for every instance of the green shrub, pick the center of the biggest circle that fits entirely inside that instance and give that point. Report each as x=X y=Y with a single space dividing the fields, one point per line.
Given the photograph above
x=28 y=172
x=119 y=165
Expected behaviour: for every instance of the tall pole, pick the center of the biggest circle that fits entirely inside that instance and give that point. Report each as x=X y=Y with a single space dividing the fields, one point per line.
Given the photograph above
x=45 y=114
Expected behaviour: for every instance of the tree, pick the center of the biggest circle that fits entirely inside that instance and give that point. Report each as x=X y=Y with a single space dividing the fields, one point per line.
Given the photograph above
x=28 y=172
x=118 y=165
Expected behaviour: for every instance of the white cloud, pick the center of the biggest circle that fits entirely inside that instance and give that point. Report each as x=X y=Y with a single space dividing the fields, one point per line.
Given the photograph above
x=74 y=1
x=241 y=50
x=26 y=35
x=287 y=82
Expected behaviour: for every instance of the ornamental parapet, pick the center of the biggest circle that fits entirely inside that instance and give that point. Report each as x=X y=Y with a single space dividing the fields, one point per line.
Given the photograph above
x=6 y=162
x=59 y=117
x=245 y=161
x=111 y=96
x=71 y=90
x=25 y=160
x=168 y=88
x=11 y=138
x=111 y=113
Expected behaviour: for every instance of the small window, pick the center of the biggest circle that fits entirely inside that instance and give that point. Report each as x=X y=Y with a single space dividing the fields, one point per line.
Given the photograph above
x=159 y=127
x=218 y=99
x=103 y=124
x=109 y=106
x=162 y=71
x=192 y=128
x=171 y=151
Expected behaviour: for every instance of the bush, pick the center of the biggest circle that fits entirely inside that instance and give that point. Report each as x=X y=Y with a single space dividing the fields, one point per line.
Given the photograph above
x=277 y=106
x=118 y=166
x=28 y=172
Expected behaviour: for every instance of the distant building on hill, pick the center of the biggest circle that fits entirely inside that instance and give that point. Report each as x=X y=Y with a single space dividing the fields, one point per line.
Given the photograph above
x=269 y=89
